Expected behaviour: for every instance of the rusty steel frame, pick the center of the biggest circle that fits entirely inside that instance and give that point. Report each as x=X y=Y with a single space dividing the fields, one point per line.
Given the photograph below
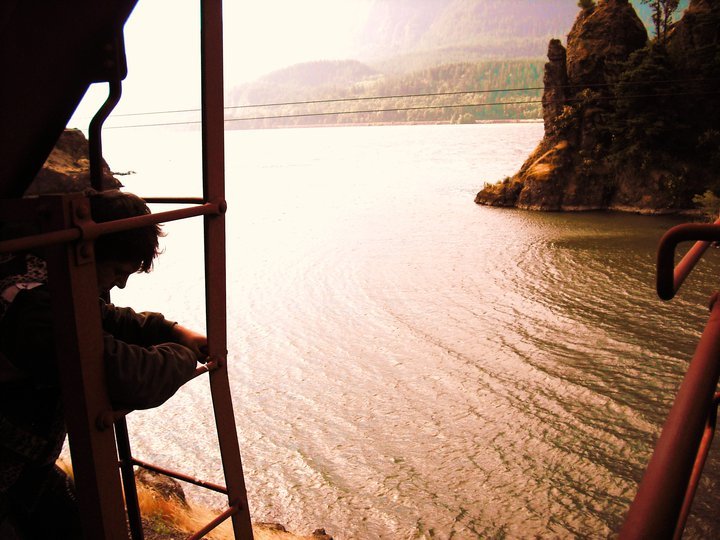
x=127 y=473
x=213 y=167
x=95 y=132
x=180 y=476
x=79 y=345
x=670 y=277
x=230 y=512
x=67 y=238
x=699 y=465
x=89 y=230
x=69 y=253
x=663 y=499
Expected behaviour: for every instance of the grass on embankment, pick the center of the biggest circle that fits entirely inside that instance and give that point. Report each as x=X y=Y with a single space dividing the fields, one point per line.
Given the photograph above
x=168 y=518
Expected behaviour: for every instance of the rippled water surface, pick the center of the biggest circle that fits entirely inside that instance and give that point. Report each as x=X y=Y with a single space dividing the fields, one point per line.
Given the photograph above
x=405 y=363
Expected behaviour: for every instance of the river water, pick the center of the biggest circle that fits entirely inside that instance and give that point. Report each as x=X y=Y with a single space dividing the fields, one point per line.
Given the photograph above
x=405 y=363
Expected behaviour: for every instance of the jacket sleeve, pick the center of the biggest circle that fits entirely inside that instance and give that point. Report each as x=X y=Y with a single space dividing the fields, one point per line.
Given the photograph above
x=144 y=377
x=144 y=368
x=144 y=328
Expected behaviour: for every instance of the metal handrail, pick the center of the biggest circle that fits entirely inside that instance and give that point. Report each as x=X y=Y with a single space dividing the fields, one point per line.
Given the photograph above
x=180 y=476
x=656 y=508
x=213 y=166
x=662 y=502
x=669 y=277
x=95 y=129
x=698 y=467
x=91 y=230
x=68 y=219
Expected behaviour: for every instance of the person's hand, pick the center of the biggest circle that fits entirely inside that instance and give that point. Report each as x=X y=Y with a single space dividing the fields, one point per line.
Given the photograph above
x=194 y=341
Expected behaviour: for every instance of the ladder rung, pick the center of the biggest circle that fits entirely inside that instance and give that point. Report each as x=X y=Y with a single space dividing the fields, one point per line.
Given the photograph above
x=215 y=522
x=180 y=476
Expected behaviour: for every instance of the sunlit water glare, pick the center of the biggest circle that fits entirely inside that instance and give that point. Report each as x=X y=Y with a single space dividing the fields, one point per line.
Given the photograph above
x=405 y=363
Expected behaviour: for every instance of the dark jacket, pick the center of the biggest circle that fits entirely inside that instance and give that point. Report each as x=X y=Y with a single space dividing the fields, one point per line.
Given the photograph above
x=143 y=369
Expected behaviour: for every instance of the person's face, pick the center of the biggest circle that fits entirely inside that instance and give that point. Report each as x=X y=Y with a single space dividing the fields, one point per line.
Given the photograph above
x=114 y=274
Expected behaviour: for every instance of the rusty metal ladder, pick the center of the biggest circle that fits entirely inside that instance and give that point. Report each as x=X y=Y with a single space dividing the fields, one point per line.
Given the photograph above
x=215 y=284
x=67 y=237
x=215 y=292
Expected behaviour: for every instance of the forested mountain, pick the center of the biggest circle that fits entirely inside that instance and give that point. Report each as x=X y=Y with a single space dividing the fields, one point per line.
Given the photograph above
x=324 y=73
x=446 y=31
x=464 y=92
x=422 y=47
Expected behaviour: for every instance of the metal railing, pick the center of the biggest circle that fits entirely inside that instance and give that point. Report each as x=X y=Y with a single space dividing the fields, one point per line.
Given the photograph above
x=66 y=238
x=662 y=503
x=92 y=446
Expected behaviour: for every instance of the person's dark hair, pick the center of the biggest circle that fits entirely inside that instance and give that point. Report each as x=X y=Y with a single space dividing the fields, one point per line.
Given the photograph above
x=135 y=245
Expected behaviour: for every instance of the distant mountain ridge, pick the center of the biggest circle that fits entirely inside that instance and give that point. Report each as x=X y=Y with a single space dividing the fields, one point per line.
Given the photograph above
x=480 y=28
x=321 y=73
x=406 y=46
x=467 y=92
x=448 y=31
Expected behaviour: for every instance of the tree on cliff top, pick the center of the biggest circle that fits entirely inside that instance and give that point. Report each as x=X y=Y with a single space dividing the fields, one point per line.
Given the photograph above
x=662 y=16
x=648 y=123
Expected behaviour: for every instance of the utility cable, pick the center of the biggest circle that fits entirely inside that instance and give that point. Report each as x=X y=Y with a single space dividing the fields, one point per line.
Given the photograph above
x=419 y=95
x=416 y=108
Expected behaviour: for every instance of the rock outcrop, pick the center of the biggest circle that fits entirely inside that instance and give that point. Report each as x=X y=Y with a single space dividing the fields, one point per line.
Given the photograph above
x=600 y=37
x=695 y=39
x=572 y=168
x=68 y=168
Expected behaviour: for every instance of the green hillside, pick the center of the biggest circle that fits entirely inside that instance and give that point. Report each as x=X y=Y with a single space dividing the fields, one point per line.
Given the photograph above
x=481 y=29
x=464 y=92
x=443 y=30
x=406 y=47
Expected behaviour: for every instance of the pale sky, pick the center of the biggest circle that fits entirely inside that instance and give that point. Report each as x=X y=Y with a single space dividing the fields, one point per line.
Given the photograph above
x=162 y=42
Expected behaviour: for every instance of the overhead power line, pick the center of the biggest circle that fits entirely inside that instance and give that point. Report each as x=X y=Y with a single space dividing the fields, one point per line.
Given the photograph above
x=341 y=100
x=415 y=108
x=404 y=96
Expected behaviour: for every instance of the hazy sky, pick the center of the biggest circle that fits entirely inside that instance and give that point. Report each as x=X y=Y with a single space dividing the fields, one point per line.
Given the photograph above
x=162 y=41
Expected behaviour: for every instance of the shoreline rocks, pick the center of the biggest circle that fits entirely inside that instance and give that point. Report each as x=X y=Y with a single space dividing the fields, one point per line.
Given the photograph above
x=576 y=166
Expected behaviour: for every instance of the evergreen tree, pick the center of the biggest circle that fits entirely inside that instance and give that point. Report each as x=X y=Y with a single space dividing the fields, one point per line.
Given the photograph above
x=662 y=15
x=648 y=123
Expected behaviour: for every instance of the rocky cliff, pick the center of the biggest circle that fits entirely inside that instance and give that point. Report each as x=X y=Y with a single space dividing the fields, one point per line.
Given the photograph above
x=622 y=123
x=68 y=168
